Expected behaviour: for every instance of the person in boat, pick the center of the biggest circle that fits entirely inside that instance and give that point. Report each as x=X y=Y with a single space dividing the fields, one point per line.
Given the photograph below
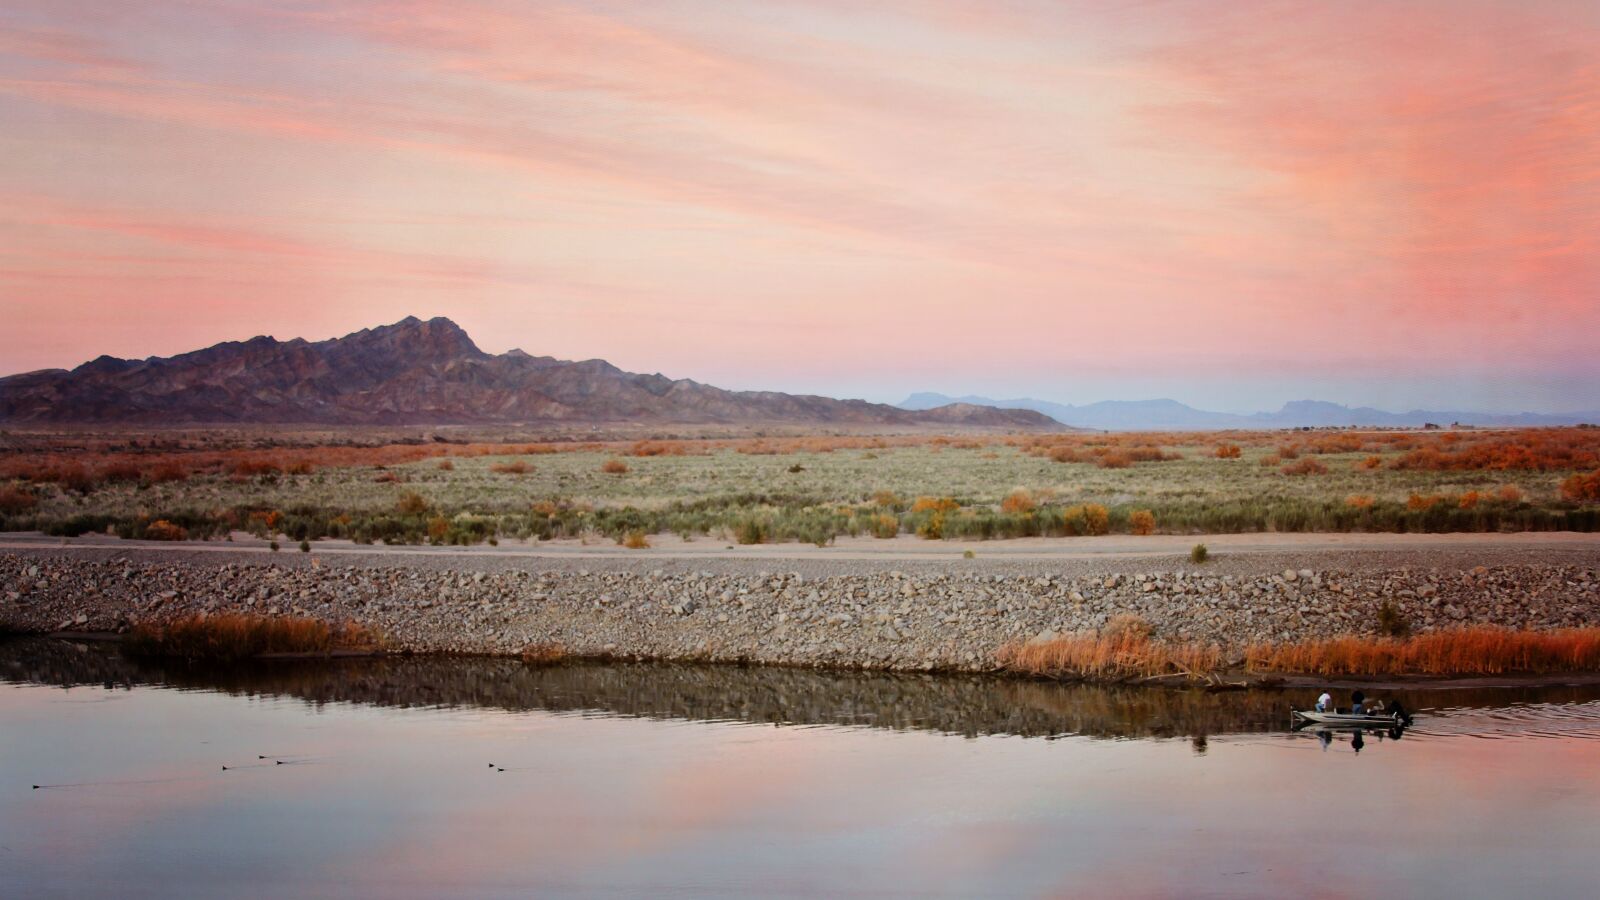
x=1325 y=703
x=1358 y=702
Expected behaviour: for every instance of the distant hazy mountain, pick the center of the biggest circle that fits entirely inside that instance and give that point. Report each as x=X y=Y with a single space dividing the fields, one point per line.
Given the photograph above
x=415 y=372
x=1147 y=415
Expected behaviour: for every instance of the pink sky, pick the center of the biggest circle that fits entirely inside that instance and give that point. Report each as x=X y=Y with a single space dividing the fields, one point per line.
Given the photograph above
x=1232 y=203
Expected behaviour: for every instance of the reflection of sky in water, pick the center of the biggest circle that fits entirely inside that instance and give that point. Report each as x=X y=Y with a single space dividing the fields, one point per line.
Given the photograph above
x=404 y=803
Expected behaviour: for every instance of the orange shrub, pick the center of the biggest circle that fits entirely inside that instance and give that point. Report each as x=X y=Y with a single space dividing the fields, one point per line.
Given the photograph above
x=15 y=500
x=411 y=503
x=1509 y=493
x=168 y=471
x=884 y=526
x=636 y=540
x=1358 y=501
x=1420 y=502
x=1371 y=462
x=935 y=504
x=614 y=467
x=515 y=467
x=120 y=471
x=1308 y=466
x=1269 y=461
x=1582 y=488
x=438 y=527
x=1469 y=500
x=1289 y=451
x=1142 y=521
x=885 y=498
x=1018 y=501
x=162 y=530
x=1116 y=459
x=1087 y=519
x=446 y=465
x=1228 y=451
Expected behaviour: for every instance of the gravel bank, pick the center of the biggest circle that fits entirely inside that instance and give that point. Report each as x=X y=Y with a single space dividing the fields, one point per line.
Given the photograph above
x=916 y=614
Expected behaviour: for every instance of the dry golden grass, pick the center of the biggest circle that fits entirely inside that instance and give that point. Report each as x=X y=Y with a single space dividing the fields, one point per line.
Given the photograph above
x=543 y=654
x=1123 y=650
x=1482 y=650
x=232 y=637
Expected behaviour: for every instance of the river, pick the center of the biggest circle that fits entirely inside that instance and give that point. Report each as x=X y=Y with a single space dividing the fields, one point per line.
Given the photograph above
x=426 y=777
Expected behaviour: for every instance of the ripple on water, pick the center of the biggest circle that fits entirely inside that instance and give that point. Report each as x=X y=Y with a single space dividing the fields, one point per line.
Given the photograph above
x=1518 y=721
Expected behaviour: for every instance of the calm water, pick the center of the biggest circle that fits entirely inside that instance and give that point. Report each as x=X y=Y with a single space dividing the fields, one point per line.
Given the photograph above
x=678 y=781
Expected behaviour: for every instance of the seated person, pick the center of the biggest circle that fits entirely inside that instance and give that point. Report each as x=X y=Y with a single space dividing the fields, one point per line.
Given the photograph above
x=1325 y=703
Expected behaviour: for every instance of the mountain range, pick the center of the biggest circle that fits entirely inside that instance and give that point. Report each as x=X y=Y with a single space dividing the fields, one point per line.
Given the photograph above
x=426 y=372
x=1149 y=415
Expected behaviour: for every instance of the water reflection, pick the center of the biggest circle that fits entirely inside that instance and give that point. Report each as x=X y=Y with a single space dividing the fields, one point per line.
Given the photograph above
x=486 y=778
x=962 y=705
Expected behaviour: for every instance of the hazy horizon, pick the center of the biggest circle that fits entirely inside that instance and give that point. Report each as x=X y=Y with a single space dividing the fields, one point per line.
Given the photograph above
x=1231 y=205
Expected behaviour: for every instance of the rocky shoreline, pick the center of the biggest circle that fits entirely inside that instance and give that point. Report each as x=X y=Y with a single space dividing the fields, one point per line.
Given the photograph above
x=918 y=615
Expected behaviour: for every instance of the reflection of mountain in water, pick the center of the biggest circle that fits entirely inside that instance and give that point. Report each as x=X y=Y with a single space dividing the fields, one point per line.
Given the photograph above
x=965 y=705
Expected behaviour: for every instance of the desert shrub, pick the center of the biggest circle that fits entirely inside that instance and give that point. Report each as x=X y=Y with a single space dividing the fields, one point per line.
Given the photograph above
x=1469 y=500
x=1228 y=451
x=884 y=526
x=1371 y=462
x=305 y=546
x=1308 y=466
x=1289 y=451
x=1582 y=488
x=15 y=500
x=1018 y=502
x=411 y=503
x=1199 y=554
x=885 y=498
x=1086 y=519
x=1359 y=501
x=274 y=547
x=1509 y=493
x=614 y=467
x=438 y=527
x=1423 y=502
x=935 y=505
x=120 y=470
x=162 y=530
x=1391 y=621
x=1142 y=521
x=1270 y=461
x=636 y=540
x=167 y=472
x=932 y=528
x=515 y=467
x=446 y=465
x=751 y=530
x=1116 y=459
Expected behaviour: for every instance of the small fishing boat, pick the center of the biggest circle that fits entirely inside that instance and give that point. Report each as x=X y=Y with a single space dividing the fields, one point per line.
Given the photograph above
x=1349 y=720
